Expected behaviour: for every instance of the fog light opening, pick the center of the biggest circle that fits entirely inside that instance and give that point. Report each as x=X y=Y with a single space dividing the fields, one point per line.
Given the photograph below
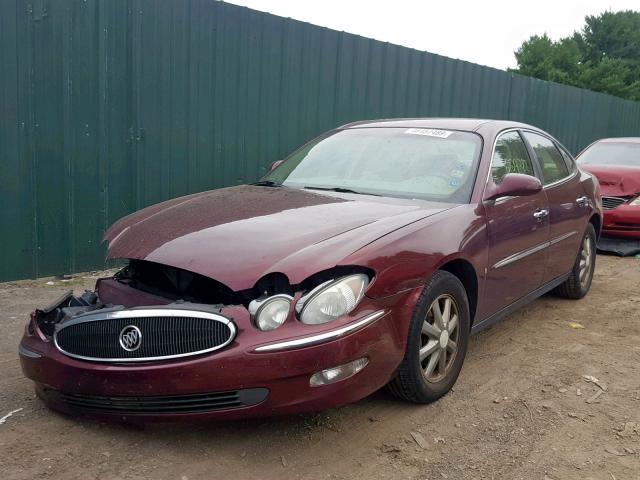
x=336 y=374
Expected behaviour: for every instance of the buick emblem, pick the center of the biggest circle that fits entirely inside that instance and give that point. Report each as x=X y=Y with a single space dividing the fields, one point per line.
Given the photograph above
x=130 y=338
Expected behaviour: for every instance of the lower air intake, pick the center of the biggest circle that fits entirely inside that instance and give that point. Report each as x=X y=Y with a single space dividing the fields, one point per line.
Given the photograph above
x=194 y=403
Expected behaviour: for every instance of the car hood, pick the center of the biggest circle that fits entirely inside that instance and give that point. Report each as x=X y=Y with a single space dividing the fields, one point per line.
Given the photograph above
x=237 y=235
x=616 y=180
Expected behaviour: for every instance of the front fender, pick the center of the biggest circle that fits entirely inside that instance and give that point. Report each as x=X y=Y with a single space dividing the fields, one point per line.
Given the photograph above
x=406 y=258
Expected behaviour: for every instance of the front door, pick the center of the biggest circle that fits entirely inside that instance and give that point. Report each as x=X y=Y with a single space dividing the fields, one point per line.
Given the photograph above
x=568 y=209
x=518 y=229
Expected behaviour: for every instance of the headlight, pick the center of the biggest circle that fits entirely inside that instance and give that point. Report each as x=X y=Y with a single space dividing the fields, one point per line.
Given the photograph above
x=635 y=202
x=332 y=299
x=270 y=313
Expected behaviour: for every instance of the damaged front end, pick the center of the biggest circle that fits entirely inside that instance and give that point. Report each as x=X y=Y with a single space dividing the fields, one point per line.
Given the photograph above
x=138 y=286
x=149 y=311
x=200 y=348
x=64 y=307
x=84 y=328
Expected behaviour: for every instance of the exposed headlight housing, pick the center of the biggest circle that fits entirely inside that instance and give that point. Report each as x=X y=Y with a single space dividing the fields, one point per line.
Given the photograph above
x=332 y=299
x=269 y=313
x=635 y=202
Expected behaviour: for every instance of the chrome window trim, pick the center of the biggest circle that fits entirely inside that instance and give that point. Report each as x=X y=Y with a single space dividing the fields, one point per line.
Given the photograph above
x=561 y=181
x=320 y=337
x=530 y=251
x=146 y=312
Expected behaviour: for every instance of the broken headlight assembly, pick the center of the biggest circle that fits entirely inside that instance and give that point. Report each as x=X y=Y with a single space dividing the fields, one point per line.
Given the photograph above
x=330 y=300
x=324 y=303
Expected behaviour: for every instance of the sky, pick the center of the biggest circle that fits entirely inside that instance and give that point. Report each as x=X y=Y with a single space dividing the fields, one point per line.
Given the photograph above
x=482 y=31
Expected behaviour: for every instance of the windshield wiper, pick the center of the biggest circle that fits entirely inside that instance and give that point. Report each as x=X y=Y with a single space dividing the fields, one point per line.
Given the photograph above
x=340 y=190
x=266 y=183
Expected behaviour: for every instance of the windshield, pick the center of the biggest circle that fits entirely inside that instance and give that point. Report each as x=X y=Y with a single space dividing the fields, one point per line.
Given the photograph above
x=609 y=153
x=421 y=163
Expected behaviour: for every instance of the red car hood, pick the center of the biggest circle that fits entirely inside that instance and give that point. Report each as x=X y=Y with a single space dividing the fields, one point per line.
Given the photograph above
x=616 y=180
x=236 y=235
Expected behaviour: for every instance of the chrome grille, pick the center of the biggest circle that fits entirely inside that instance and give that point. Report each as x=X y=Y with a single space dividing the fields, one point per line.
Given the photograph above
x=199 y=402
x=165 y=333
x=609 y=203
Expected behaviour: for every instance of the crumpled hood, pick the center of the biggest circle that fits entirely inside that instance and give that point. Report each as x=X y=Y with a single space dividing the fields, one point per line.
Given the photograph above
x=237 y=235
x=616 y=181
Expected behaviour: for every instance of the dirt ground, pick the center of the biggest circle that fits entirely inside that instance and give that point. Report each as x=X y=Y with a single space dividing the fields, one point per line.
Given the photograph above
x=522 y=409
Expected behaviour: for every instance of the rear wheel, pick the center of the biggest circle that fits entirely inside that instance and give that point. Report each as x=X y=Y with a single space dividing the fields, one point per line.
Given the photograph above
x=579 y=281
x=437 y=341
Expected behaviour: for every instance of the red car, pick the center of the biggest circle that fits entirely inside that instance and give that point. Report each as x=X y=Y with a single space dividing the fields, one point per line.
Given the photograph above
x=615 y=162
x=365 y=259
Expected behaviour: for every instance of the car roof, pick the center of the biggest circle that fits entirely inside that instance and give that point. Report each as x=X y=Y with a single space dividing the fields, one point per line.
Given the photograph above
x=465 y=124
x=619 y=140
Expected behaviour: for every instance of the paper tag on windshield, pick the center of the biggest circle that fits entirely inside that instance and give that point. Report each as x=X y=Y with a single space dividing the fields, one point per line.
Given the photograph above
x=428 y=132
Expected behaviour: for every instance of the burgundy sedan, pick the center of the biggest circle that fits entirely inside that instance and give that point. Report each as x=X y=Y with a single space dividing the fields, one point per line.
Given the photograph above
x=615 y=162
x=364 y=260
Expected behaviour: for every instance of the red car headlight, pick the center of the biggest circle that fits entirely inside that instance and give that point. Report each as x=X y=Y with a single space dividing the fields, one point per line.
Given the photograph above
x=270 y=313
x=332 y=299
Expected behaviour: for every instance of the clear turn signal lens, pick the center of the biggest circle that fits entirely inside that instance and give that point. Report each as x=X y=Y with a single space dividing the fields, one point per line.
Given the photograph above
x=336 y=374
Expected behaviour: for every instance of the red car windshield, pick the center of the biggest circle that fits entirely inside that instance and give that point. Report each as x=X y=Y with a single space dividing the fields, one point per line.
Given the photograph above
x=422 y=163
x=610 y=153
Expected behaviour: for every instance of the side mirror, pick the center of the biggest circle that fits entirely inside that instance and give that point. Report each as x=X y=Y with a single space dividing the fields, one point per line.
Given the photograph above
x=514 y=185
x=275 y=165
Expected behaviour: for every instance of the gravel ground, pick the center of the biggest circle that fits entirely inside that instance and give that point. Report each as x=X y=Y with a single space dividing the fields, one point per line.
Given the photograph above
x=524 y=407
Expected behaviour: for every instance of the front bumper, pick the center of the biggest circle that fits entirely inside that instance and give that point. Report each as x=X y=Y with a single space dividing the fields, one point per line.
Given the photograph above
x=623 y=221
x=238 y=367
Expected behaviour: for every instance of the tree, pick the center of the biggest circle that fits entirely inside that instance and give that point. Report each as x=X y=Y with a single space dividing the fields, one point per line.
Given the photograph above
x=612 y=35
x=542 y=58
x=604 y=56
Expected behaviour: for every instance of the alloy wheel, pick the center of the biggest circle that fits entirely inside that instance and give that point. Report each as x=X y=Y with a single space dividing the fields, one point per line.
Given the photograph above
x=438 y=341
x=586 y=260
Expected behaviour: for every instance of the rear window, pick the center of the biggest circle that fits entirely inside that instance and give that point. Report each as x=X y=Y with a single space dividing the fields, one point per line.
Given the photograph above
x=609 y=153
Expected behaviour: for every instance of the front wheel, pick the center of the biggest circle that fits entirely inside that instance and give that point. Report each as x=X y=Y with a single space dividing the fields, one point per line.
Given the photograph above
x=436 y=343
x=579 y=281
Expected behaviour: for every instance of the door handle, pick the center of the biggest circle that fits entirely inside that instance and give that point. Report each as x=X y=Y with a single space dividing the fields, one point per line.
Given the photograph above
x=540 y=214
x=582 y=201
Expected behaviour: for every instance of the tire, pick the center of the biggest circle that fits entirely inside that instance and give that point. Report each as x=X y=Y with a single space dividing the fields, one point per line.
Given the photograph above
x=412 y=381
x=575 y=286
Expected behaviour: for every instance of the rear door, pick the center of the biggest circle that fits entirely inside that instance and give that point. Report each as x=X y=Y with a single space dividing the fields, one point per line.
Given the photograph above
x=568 y=207
x=518 y=233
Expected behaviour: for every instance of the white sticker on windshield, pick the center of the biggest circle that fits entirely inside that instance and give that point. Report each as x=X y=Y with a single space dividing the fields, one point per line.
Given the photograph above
x=429 y=132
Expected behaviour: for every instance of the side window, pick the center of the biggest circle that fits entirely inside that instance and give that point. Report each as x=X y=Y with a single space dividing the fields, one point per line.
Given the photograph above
x=510 y=156
x=552 y=163
x=568 y=159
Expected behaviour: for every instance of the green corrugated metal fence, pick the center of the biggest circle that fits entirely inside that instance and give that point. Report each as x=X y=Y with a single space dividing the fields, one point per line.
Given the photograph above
x=109 y=106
